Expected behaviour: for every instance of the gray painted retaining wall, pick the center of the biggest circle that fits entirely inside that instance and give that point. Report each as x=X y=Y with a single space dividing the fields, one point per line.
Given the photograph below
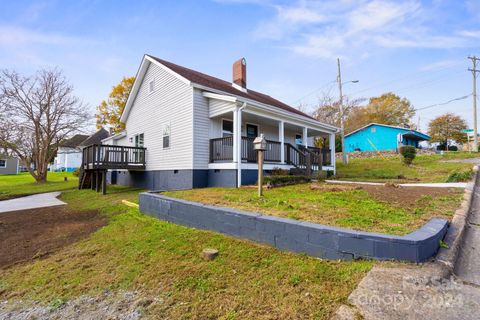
x=298 y=236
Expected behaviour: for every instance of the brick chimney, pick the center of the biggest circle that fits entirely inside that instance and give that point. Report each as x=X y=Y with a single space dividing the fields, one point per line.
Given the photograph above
x=240 y=73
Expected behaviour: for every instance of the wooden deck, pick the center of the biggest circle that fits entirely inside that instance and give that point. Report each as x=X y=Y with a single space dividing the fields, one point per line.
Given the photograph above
x=104 y=157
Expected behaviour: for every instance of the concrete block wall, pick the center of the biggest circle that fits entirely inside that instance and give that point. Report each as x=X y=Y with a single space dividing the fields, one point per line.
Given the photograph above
x=298 y=236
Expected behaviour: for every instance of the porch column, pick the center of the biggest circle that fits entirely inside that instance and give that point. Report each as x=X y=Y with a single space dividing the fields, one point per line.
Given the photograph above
x=281 y=137
x=239 y=146
x=235 y=136
x=331 y=145
x=305 y=136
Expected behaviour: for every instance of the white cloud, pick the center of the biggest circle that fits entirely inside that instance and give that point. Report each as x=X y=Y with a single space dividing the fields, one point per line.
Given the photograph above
x=11 y=36
x=346 y=28
x=442 y=64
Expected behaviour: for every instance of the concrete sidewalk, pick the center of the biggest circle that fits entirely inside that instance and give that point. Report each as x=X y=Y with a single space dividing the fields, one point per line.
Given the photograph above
x=31 y=202
x=462 y=185
x=427 y=291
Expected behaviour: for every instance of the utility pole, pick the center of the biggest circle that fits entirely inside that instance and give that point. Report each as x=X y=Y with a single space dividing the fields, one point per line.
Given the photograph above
x=342 y=118
x=474 y=73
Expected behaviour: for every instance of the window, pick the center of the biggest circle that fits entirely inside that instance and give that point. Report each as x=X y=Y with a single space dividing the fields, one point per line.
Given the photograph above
x=252 y=130
x=151 y=86
x=166 y=136
x=3 y=163
x=298 y=139
x=227 y=128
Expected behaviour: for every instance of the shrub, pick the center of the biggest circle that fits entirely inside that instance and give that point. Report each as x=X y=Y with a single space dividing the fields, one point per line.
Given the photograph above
x=408 y=153
x=278 y=181
x=320 y=175
x=76 y=172
x=278 y=172
x=443 y=147
x=460 y=176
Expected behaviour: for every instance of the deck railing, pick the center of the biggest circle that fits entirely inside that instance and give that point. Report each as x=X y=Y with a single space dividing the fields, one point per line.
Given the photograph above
x=113 y=157
x=221 y=150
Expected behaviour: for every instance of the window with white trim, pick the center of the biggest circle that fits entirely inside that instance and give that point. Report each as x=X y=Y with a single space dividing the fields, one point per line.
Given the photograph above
x=151 y=86
x=166 y=136
x=227 y=128
x=3 y=163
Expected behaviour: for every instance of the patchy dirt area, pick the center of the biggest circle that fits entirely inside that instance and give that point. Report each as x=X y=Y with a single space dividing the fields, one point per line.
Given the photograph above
x=407 y=197
x=31 y=234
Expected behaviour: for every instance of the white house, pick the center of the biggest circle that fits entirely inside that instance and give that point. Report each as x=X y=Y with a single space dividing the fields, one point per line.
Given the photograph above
x=198 y=131
x=69 y=154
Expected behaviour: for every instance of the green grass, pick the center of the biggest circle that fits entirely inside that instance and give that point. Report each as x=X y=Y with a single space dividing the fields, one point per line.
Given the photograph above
x=23 y=184
x=351 y=208
x=163 y=261
x=425 y=168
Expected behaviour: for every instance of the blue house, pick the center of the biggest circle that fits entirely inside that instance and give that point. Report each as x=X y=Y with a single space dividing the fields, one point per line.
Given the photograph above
x=375 y=137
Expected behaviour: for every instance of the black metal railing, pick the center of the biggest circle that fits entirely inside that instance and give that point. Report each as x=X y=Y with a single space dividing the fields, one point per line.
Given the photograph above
x=113 y=157
x=221 y=149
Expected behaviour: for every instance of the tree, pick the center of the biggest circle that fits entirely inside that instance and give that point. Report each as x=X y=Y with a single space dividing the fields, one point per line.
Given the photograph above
x=447 y=127
x=109 y=111
x=38 y=112
x=387 y=109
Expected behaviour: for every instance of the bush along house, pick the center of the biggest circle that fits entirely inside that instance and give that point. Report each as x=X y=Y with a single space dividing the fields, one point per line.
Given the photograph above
x=378 y=137
x=186 y=129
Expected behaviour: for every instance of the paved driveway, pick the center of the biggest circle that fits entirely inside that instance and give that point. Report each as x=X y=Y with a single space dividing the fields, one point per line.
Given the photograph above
x=31 y=202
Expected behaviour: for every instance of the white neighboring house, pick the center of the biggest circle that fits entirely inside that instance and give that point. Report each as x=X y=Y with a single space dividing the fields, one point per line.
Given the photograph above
x=69 y=154
x=198 y=131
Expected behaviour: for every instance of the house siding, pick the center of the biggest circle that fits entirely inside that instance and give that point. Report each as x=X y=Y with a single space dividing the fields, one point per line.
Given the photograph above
x=201 y=128
x=171 y=103
x=11 y=165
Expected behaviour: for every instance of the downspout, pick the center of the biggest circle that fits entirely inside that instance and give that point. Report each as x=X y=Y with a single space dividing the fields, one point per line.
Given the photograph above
x=239 y=145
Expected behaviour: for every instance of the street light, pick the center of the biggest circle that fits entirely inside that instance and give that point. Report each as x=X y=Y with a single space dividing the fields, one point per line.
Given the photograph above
x=342 y=120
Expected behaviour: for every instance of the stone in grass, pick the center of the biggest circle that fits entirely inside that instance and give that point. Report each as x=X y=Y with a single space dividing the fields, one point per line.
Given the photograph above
x=210 y=254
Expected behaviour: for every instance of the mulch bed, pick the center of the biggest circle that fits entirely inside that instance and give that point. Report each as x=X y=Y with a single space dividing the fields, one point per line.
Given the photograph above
x=35 y=233
x=406 y=197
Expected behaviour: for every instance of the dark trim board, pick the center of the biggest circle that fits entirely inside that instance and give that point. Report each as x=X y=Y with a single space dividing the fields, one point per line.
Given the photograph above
x=181 y=179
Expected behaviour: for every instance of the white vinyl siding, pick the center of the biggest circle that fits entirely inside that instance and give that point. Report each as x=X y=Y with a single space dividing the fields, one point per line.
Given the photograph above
x=201 y=125
x=171 y=103
x=217 y=107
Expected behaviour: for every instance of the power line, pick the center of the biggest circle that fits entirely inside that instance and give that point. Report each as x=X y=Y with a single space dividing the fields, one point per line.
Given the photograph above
x=401 y=78
x=444 y=103
x=316 y=90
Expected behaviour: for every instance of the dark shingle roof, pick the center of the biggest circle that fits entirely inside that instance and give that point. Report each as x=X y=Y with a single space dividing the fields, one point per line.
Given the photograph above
x=225 y=86
x=95 y=138
x=74 y=141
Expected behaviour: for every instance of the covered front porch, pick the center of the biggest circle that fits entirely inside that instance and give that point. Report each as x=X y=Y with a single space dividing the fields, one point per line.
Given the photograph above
x=291 y=139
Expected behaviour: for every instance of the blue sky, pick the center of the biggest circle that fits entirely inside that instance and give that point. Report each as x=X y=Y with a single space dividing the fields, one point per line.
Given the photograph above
x=417 y=49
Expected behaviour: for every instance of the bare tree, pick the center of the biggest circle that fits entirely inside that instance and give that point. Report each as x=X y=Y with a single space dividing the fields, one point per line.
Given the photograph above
x=37 y=113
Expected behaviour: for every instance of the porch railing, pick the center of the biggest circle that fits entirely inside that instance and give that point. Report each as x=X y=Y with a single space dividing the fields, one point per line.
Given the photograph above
x=221 y=149
x=113 y=157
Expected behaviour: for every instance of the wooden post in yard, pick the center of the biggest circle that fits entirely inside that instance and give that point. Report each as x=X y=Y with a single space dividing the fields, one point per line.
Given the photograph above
x=260 y=173
x=104 y=182
x=97 y=182
x=260 y=144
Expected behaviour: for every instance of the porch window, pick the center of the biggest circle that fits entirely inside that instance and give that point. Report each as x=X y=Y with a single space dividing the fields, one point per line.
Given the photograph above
x=227 y=128
x=252 y=130
x=3 y=163
x=298 y=139
x=166 y=136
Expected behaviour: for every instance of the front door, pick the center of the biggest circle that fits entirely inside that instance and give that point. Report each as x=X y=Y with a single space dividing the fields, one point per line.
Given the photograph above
x=252 y=133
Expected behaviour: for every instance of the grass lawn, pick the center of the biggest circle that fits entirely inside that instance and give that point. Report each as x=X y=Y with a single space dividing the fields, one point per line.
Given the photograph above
x=425 y=168
x=372 y=208
x=163 y=261
x=24 y=184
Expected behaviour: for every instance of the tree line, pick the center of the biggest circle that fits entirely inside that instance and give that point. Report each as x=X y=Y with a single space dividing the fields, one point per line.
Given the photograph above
x=389 y=109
